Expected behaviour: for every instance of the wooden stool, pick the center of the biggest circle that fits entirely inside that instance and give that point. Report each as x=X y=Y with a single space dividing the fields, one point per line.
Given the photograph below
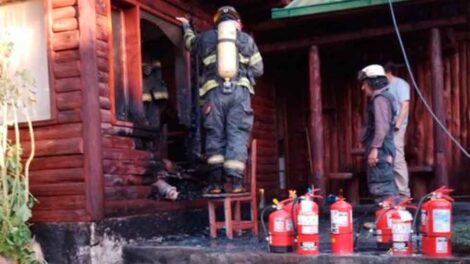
x=227 y=199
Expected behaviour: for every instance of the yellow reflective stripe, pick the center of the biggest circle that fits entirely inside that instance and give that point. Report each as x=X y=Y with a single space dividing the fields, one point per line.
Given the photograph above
x=146 y=97
x=209 y=59
x=234 y=164
x=255 y=58
x=207 y=86
x=188 y=38
x=160 y=95
x=215 y=159
x=244 y=59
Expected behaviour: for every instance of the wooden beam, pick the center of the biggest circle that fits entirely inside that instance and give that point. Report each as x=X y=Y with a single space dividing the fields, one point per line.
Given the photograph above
x=359 y=35
x=93 y=171
x=435 y=56
x=315 y=124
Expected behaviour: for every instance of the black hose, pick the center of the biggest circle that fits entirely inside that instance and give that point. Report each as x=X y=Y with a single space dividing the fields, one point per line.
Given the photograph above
x=263 y=224
x=359 y=226
x=418 y=209
x=294 y=228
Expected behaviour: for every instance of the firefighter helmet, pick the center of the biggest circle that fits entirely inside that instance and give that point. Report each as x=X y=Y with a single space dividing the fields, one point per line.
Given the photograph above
x=226 y=12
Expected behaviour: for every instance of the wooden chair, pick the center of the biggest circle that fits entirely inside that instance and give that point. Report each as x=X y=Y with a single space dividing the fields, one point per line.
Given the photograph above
x=234 y=222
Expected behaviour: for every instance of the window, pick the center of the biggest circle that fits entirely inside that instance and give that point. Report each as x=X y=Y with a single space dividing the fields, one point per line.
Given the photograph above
x=23 y=23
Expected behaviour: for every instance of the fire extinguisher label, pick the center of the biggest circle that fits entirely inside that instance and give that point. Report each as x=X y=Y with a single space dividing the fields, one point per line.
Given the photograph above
x=401 y=232
x=441 y=245
x=308 y=220
x=339 y=218
x=308 y=245
x=279 y=225
x=441 y=220
x=310 y=230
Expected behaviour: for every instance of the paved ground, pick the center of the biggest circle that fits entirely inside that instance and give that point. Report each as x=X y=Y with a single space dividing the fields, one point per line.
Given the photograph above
x=199 y=248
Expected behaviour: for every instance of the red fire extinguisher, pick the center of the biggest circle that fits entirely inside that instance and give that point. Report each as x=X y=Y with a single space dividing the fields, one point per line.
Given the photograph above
x=436 y=223
x=341 y=227
x=281 y=235
x=383 y=224
x=306 y=224
x=402 y=222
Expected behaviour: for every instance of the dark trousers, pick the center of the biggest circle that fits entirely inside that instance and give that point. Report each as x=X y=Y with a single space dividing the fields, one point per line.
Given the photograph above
x=228 y=122
x=380 y=178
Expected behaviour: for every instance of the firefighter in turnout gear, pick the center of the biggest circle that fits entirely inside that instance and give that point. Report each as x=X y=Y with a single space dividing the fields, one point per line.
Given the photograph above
x=378 y=135
x=155 y=93
x=230 y=62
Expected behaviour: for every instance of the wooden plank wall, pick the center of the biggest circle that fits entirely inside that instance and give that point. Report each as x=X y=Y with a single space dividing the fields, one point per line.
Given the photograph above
x=264 y=130
x=57 y=176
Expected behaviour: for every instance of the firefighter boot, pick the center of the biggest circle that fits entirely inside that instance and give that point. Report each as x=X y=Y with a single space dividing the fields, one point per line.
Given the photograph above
x=237 y=185
x=215 y=179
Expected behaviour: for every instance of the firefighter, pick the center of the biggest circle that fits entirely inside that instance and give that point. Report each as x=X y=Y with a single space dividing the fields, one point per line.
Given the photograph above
x=228 y=116
x=155 y=92
x=378 y=134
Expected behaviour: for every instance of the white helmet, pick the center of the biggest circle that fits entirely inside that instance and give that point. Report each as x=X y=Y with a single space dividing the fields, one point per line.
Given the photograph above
x=371 y=71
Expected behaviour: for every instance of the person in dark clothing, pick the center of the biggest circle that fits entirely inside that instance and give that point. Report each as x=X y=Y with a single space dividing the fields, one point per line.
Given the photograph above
x=228 y=116
x=378 y=134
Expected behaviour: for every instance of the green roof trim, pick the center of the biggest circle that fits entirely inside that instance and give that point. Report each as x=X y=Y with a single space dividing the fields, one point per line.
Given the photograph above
x=310 y=7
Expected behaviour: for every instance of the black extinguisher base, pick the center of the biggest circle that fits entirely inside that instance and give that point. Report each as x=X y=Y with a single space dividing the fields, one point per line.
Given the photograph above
x=278 y=249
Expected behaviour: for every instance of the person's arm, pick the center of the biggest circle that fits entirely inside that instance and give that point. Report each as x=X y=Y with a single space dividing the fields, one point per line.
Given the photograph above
x=256 y=61
x=404 y=100
x=189 y=37
x=404 y=110
x=382 y=120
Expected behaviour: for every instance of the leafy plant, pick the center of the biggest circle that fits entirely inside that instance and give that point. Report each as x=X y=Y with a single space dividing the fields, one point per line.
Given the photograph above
x=16 y=94
x=461 y=238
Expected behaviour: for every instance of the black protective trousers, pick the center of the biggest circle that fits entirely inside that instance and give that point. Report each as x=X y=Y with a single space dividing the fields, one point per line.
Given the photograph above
x=228 y=120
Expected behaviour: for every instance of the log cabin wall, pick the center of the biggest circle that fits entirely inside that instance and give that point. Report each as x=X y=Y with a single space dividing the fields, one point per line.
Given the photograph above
x=66 y=175
x=57 y=173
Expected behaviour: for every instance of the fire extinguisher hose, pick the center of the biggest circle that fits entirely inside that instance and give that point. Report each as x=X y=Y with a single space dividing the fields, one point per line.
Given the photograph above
x=263 y=224
x=418 y=209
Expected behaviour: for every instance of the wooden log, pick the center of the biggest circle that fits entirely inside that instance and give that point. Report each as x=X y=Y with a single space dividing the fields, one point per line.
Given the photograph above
x=113 y=167
x=103 y=64
x=67 y=69
x=103 y=77
x=106 y=116
x=66 y=56
x=55 y=132
x=58 y=189
x=126 y=154
x=69 y=202
x=94 y=182
x=60 y=216
x=464 y=92
x=102 y=33
x=64 y=24
x=454 y=159
x=68 y=84
x=63 y=3
x=118 y=142
x=65 y=40
x=105 y=103
x=69 y=116
x=440 y=163
x=447 y=100
x=102 y=49
x=315 y=123
x=102 y=7
x=57 y=162
x=126 y=192
x=140 y=206
x=56 y=147
x=64 y=12
x=103 y=89
x=56 y=176
x=69 y=100
x=111 y=180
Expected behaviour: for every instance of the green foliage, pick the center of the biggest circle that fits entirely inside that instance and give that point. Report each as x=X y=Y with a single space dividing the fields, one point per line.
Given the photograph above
x=16 y=93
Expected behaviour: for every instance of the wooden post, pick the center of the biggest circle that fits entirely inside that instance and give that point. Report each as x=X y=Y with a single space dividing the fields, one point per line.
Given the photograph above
x=93 y=171
x=440 y=162
x=315 y=124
